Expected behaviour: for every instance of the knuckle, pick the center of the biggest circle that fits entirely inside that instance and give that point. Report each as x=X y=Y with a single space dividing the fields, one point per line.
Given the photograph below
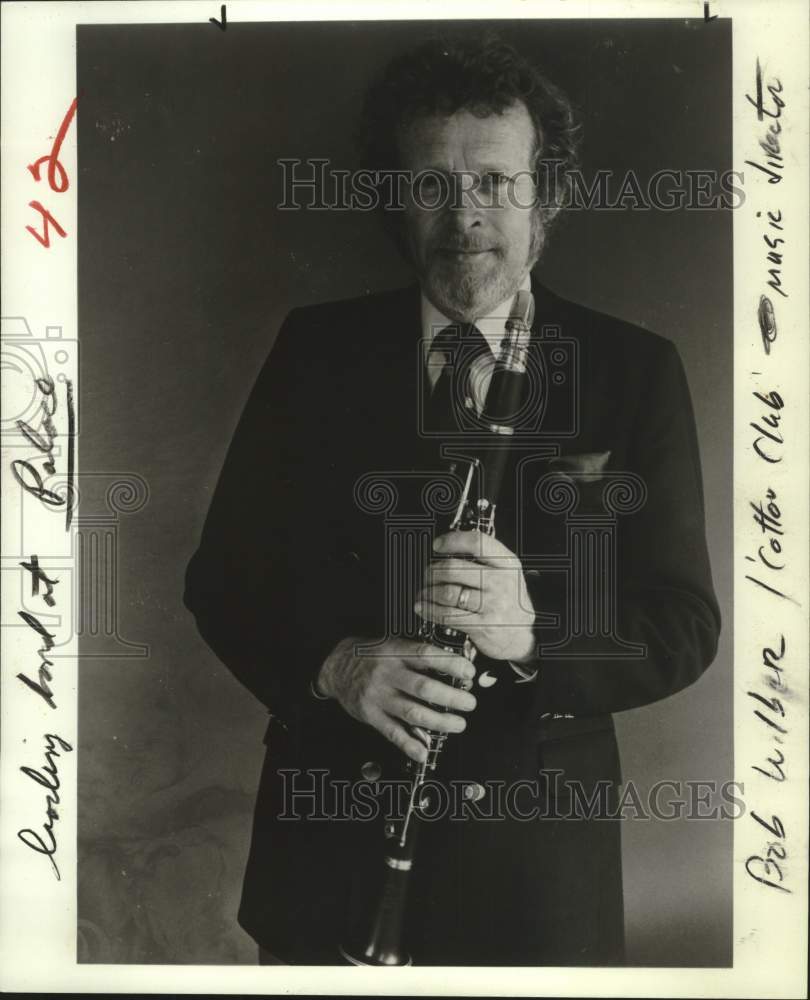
x=445 y=667
x=438 y=694
x=368 y=681
x=411 y=714
x=366 y=695
x=455 y=667
x=434 y=693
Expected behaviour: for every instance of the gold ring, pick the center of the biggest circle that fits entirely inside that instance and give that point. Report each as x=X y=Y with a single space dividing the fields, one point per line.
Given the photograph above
x=463 y=598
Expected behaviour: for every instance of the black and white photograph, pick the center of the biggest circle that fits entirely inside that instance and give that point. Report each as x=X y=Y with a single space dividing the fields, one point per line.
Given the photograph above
x=407 y=561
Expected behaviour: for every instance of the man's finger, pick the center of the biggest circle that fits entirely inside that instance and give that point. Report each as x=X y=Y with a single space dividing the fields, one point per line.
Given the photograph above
x=476 y=545
x=414 y=713
x=429 y=657
x=460 y=571
x=452 y=595
x=393 y=730
x=440 y=614
x=436 y=692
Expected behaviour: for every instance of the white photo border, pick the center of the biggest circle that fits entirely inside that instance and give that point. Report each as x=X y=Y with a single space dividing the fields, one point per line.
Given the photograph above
x=38 y=914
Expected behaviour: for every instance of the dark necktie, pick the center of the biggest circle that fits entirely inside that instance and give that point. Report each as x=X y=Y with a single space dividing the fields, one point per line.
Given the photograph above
x=451 y=405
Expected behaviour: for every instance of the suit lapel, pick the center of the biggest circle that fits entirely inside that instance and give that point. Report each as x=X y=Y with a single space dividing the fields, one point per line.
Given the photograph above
x=392 y=377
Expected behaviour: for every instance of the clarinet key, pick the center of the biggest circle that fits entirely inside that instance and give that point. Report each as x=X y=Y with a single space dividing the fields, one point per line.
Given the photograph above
x=474 y=792
x=371 y=770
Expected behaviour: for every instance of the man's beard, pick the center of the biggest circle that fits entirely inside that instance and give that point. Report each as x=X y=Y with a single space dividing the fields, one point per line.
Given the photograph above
x=467 y=291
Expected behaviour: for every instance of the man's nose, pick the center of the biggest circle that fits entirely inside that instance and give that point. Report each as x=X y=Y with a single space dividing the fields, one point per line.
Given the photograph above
x=464 y=202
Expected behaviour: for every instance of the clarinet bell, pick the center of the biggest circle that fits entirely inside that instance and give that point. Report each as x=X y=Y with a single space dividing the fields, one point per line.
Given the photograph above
x=377 y=940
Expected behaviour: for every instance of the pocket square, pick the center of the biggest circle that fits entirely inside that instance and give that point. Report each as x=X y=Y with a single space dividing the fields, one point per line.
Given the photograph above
x=587 y=467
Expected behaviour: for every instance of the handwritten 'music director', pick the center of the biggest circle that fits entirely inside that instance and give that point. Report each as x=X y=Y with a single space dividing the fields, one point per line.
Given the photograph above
x=768 y=867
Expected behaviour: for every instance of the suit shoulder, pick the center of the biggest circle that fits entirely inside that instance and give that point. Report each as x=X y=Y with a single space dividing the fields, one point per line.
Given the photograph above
x=356 y=311
x=608 y=334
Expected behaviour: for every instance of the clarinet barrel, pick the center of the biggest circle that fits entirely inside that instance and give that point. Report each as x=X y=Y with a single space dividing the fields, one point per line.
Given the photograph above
x=378 y=939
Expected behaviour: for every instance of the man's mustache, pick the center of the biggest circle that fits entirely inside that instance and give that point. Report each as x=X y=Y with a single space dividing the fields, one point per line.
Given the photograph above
x=456 y=245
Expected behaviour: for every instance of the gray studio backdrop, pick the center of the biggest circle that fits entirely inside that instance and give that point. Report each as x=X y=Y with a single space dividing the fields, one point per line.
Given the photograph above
x=186 y=270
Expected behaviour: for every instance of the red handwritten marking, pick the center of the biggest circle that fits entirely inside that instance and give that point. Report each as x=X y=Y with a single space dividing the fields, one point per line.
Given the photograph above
x=58 y=180
x=47 y=220
x=52 y=158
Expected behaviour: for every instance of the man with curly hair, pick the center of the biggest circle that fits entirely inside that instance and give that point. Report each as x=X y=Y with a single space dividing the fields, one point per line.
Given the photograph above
x=299 y=604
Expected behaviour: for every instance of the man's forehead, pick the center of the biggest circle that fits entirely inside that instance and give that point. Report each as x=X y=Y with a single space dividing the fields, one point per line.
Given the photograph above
x=504 y=135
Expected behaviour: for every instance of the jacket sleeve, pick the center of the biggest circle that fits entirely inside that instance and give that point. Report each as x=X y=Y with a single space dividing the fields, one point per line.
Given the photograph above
x=259 y=583
x=664 y=592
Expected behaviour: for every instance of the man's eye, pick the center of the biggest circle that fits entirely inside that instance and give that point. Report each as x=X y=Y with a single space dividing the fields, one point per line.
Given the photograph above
x=429 y=186
x=493 y=185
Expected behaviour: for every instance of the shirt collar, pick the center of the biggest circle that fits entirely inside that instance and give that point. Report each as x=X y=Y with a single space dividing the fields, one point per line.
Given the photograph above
x=491 y=326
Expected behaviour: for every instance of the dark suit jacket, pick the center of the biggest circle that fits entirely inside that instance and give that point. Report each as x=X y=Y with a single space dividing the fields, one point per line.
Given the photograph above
x=290 y=562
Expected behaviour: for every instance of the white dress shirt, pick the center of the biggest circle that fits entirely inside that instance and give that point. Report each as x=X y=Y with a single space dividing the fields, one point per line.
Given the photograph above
x=492 y=326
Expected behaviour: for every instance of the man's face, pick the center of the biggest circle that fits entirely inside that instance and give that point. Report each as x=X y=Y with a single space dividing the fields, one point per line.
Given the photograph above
x=473 y=251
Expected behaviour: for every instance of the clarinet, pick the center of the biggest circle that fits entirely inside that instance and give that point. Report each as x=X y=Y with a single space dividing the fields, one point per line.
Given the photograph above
x=377 y=941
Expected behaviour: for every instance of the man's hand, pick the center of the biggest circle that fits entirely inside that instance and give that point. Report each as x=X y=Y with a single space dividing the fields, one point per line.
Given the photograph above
x=391 y=689
x=495 y=611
